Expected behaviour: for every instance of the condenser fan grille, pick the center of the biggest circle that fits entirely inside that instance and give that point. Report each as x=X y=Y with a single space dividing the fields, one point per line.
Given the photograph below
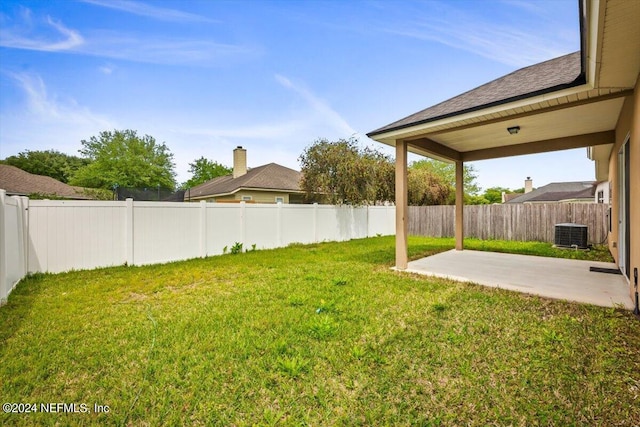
x=571 y=236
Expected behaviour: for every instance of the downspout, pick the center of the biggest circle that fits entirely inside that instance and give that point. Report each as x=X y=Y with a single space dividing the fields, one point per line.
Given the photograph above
x=636 y=310
x=582 y=10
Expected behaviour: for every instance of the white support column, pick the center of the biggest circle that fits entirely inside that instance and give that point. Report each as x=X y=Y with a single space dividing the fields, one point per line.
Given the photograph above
x=459 y=205
x=402 y=247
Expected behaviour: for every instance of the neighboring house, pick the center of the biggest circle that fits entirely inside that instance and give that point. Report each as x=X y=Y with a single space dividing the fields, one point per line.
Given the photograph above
x=603 y=191
x=17 y=182
x=270 y=183
x=590 y=98
x=506 y=197
x=559 y=192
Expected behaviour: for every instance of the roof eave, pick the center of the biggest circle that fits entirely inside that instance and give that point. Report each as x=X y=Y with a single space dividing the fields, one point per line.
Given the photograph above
x=389 y=136
x=230 y=193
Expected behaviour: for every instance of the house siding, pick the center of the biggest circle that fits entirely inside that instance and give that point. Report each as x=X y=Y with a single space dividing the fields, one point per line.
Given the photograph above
x=628 y=124
x=256 y=197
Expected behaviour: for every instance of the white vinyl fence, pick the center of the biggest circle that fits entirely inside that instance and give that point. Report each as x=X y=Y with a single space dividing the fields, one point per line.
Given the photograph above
x=13 y=242
x=55 y=236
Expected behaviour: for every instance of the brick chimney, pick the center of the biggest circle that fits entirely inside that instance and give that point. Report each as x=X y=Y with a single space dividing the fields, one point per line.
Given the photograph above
x=239 y=162
x=528 y=185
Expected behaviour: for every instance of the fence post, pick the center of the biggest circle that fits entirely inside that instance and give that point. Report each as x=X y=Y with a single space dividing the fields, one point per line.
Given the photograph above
x=25 y=221
x=279 y=225
x=203 y=229
x=315 y=222
x=243 y=208
x=3 y=250
x=21 y=235
x=128 y=232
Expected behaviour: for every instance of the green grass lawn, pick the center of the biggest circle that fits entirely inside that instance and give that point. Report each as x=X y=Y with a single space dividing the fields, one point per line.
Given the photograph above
x=320 y=334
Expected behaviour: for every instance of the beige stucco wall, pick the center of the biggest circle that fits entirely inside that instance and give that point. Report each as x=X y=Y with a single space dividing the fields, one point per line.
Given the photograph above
x=635 y=180
x=628 y=124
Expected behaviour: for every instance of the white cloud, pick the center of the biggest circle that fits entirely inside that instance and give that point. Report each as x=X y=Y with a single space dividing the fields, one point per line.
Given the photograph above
x=107 y=69
x=143 y=9
x=511 y=43
x=500 y=43
x=319 y=106
x=48 y=108
x=253 y=131
x=53 y=36
x=63 y=39
x=164 y=50
x=44 y=121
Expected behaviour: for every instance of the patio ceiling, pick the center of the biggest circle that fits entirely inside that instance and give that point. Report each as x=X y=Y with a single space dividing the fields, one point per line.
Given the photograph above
x=584 y=115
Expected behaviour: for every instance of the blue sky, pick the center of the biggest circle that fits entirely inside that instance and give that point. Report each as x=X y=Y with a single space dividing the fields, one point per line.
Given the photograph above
x=272 y=76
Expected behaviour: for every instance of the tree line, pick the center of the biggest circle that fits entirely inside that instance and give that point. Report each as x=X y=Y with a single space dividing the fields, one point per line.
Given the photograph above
x=336 y=172
x=119 y=158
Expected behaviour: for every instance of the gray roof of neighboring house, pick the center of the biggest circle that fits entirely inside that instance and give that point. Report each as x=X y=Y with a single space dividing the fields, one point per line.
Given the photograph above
x=549 y=76
x=270 y=177
x=557 y=191
x=18 y=182
x=510 y=196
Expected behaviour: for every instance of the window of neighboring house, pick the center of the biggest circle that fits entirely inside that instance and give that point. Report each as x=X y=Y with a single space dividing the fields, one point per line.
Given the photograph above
x=247 y=198
x=279 y=199
x=601 y=196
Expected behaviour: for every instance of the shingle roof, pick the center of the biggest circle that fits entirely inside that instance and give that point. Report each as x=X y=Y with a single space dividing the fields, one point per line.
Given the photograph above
x=511 y=196
x=271 y=176
x=557 y=191
x=549 y=76
x=18 y=182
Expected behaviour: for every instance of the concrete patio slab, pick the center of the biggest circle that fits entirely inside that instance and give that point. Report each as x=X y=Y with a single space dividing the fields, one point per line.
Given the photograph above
x=548 y=277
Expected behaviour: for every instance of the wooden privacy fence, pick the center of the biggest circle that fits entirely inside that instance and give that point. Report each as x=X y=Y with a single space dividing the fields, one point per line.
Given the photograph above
x=530 y=221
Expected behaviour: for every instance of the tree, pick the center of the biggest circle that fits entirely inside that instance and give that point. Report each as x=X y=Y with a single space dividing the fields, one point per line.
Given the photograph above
x=51 y=163
x=341 y=172
x=475 y=199
x=494 y=194
x=447 y=173
x=425 y=188
x=124 y=159
x=203 y=170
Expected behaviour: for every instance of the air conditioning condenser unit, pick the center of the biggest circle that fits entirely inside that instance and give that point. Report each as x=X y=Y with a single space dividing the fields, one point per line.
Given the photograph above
x=571 y=236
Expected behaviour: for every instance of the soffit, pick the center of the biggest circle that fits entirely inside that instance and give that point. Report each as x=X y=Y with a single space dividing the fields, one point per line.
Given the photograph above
x=515 y=110
x=570 y=121
x=620 y=52
x=600 y=152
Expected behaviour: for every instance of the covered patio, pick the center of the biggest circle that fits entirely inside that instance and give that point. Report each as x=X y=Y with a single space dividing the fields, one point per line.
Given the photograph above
x=563 y=279
x=579 y=100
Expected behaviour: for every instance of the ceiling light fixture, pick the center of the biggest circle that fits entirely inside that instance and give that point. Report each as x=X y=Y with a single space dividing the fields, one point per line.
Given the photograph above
x=513 y=130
